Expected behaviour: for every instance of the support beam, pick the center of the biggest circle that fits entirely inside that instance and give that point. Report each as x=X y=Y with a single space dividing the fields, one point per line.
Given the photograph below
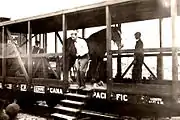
x=20 y=38
x=160 y=56
x=65 y=69
x=109 y=54
x=45 y=42
x=26 y=43
x=83 y=33
x=14 y=47
x=55 y=42
x=174 y=50
x=61 y=41
x=154 y=77
x=127 y=69
x=30 y=52
x=119 y=67
x=36 y=38
x=41 y=44
x=4 y=69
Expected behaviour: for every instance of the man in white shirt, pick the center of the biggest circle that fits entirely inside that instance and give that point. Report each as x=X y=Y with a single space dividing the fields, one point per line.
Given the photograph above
x=82 y=57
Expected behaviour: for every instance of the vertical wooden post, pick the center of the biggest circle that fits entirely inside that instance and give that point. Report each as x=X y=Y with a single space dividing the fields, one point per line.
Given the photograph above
x=65 y=70
x=174 y=50
x=55 y=42
x=83 y=32
x=109 y=54
x=160 y=56
x=20 y=38
x=30 y=53
x=36 y=38
x=119 y=68
x=40 y=41
x=26 y=43
x=3 y=55
x=45 y=42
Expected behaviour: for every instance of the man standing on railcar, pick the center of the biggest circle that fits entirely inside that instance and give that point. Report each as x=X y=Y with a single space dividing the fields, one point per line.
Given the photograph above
x=138 y=58
x=36 y=47
x=82 y=57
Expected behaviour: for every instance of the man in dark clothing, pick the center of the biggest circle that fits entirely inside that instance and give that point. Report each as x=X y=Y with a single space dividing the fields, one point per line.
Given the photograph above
x=138 y=58
x=36 y=48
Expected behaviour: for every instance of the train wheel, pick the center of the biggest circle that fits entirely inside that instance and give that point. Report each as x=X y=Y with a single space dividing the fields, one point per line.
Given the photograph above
x=26 y=100
x=52 y=101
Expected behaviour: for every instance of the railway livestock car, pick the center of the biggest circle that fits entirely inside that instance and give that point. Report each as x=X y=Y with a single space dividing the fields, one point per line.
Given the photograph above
x=29 y=78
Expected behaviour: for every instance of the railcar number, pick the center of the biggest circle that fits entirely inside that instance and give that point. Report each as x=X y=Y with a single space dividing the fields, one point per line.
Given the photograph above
x=39 y=89
x=56 y=90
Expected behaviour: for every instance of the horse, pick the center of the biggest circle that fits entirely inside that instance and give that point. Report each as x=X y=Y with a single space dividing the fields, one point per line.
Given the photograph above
x=70 y=55
x=97 y=49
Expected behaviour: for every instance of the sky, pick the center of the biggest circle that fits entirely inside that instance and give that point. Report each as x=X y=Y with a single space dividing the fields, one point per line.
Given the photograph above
x=16 y=9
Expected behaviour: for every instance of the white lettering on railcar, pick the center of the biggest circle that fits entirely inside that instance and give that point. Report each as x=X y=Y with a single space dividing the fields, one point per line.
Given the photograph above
x=9 y=86
x=39 y=89
x=23 y=87
x=99 y=95
x=122 y=97
x=56 y=90
x=156 y=101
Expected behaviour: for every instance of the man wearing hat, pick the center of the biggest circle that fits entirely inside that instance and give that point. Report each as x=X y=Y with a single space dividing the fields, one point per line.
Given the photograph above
x=82 y=57
x=138 y=58
x=36 y=47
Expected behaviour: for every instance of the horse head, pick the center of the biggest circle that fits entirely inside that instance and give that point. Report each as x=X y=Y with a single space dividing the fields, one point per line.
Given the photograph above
x=116 y=36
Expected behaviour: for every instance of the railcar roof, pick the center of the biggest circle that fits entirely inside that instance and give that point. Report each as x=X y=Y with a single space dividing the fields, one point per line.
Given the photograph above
x=92 y=15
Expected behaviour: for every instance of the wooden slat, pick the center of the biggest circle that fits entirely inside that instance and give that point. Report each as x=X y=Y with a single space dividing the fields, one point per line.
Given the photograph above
x=60 y=54
x=72 y=102
x=67 y=109
x=36 y=55
x=58 y=115
x=76 y=95
x=146 y=50
x=93 y=113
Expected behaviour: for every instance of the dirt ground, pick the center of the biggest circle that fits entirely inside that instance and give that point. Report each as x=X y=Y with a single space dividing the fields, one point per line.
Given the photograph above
x=23 y=116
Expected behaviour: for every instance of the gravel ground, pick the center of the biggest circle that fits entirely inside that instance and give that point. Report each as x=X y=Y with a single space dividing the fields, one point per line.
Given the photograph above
x=23 y=116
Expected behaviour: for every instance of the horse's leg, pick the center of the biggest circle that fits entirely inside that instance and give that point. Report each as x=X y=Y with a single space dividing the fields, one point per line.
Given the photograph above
x=93 y=69
x=97 y=69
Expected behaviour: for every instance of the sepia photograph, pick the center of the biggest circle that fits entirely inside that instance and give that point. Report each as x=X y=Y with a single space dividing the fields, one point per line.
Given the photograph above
x=89 y=60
